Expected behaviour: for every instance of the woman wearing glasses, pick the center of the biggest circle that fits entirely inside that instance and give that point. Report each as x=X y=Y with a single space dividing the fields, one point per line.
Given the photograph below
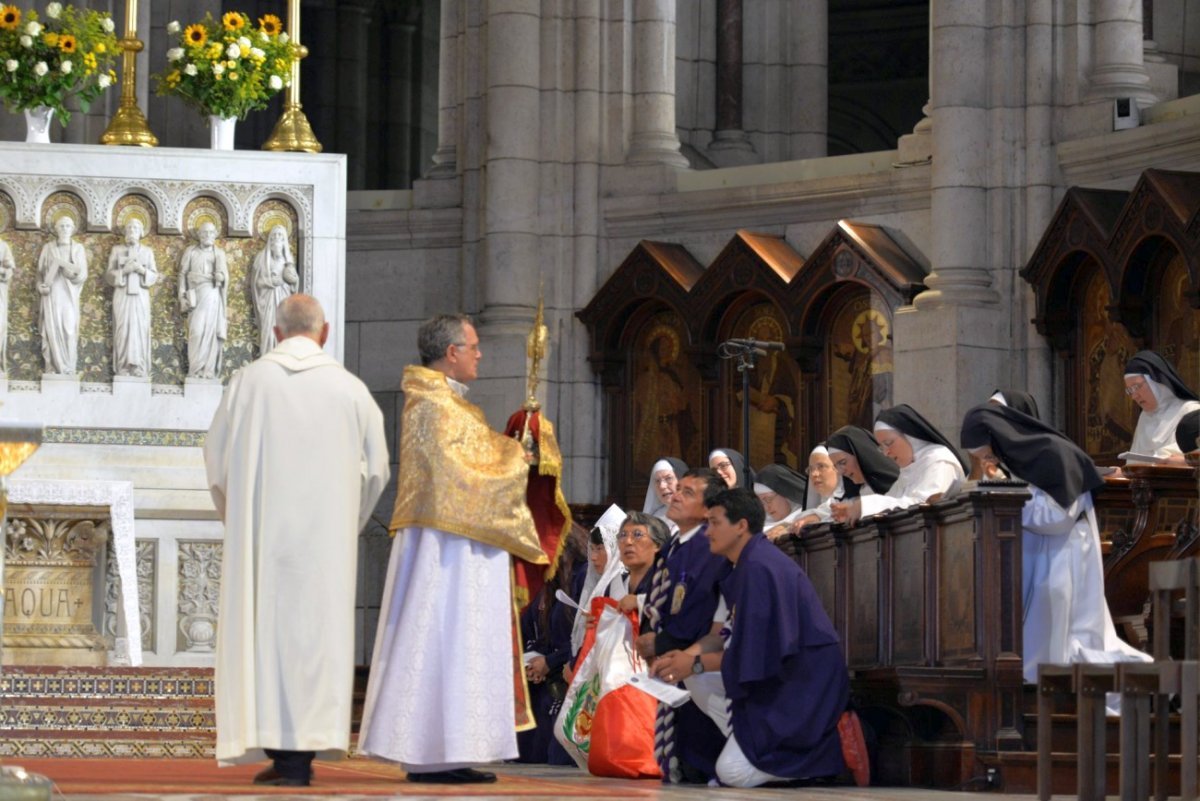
x=728 y=465
x=664 y=479
x=929 y=464
x=1157 y=388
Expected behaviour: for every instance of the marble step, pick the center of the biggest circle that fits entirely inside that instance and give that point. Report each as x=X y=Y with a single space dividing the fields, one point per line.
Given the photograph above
x=112 y=712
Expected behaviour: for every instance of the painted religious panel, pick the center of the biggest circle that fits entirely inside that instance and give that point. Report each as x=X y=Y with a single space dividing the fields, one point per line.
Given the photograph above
x=775 y=428
x=665 y=397
x=1105 y=346
x=1176 y=324
x=859 y=360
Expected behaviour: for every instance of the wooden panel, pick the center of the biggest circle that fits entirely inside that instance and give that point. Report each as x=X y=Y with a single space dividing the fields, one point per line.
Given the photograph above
x=957 y=558
x=863 y=552
x=907 y=602
x=819 y=560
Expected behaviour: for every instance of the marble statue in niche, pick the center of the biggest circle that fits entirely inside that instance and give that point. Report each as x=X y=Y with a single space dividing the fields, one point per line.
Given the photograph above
x=8 y=265
x=273 y=278
x=62 y=269
x=203 y=291
x=131 y=273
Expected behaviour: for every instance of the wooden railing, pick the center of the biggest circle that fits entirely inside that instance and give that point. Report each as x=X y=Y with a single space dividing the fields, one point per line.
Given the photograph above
x=927 y=601
x=1149 y=515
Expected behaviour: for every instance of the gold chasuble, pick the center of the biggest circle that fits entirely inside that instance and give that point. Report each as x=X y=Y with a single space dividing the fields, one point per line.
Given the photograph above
x=457 y=474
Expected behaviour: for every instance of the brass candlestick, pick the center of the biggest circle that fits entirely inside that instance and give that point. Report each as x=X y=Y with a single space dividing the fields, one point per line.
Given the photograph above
x=292 y=132
x=128 y=126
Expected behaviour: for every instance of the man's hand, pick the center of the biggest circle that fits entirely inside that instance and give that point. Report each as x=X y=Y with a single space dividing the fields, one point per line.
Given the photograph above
x=568 y=673
x=645 y=646
x=537 y=669
x=673 y=666
x=846 y=512
x=628 y=603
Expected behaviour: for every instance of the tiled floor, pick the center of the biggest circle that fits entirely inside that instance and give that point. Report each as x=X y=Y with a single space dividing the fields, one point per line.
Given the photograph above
x=607 y=789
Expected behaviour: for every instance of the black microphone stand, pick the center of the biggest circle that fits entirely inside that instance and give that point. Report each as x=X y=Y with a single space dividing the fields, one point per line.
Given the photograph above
x=745 y=355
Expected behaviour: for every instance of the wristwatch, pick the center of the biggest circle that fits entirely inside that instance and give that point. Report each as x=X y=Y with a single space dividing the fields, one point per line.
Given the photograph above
x=697 y=665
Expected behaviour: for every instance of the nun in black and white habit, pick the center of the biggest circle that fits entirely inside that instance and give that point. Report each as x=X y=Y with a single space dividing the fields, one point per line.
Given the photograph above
x=1164 y=400
x=933 y=467
x=1066 y=615
x=782 y=492
x=664 y=479
x=855 y=454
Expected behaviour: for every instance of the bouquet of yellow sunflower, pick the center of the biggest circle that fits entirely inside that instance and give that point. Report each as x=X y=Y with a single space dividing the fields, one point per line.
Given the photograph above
x=227 y=68
x=46 y=60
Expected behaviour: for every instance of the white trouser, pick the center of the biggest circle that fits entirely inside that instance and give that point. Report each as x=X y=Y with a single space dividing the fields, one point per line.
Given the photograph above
x=735 y=770
x=708 y=693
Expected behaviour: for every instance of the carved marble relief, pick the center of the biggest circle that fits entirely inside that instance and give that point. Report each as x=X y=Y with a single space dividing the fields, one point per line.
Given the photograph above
x=242 y=234
x=199 y=593
x=147 y=574
x=54 y=562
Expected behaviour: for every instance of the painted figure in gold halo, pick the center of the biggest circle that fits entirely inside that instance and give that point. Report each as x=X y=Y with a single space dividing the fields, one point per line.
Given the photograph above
x=773 y=392
x=662 y=422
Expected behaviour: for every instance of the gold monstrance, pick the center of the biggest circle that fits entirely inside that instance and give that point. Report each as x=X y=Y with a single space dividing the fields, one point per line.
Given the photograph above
x=536 y=346
x=128 y=126
x=293 y=132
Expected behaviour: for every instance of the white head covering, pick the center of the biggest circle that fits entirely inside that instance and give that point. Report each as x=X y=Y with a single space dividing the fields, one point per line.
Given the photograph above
x=812 y=498
x=1154 y=434
x=652 y=506
x=999 y=398
x=596 y=584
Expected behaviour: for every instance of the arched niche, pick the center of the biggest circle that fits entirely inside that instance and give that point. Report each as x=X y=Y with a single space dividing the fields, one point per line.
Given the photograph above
x=642 y=345
x=844 y=303
x=1116 y=272
x=832 y=311
x=1077 y=235
x=775 y=385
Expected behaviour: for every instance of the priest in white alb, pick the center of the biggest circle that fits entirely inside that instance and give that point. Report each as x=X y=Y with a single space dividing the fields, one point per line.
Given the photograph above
x=443 y=694
x=296 y=460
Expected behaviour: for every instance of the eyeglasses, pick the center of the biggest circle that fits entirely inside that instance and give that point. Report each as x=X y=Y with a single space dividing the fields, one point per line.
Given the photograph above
x=1133 y=389
x=474 y=347
x=665 y=481
x=633 y=536
x=726 y=465
x=820 y=468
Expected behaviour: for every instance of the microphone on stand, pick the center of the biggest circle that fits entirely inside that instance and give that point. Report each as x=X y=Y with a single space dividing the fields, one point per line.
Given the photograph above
x=760 y=347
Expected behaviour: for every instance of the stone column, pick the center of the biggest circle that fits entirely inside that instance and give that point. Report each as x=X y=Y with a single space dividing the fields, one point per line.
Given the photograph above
x=1118 y=66
x=956 y=338
x=730 y=144
x=654 y=140
x=398 y=162
x=807 y=56
x=917 y=147
x=354 y=72
x=513 y=133
x=445 y=158
x=959 y=177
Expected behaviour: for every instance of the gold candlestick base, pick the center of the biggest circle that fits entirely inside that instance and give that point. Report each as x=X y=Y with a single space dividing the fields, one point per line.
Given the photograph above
x=129 y=127
x=293 y=133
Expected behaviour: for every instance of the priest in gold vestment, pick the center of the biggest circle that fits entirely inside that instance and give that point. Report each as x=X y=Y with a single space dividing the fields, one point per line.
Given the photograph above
x=441 y=694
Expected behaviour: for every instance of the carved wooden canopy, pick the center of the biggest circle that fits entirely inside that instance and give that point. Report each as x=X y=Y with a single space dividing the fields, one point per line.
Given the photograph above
x=1116 y=272
x=656 y=324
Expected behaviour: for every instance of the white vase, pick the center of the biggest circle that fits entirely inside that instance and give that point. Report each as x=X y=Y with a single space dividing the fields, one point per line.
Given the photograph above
x=222 y=131
x=37 y=124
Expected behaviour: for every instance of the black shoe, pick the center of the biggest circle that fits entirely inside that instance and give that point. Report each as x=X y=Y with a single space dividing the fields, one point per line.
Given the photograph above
x=271 y=778
x=459 y=776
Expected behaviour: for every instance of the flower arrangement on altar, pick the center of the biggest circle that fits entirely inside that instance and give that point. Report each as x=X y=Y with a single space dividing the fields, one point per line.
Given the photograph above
x=46 y=60
x=227 y=68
